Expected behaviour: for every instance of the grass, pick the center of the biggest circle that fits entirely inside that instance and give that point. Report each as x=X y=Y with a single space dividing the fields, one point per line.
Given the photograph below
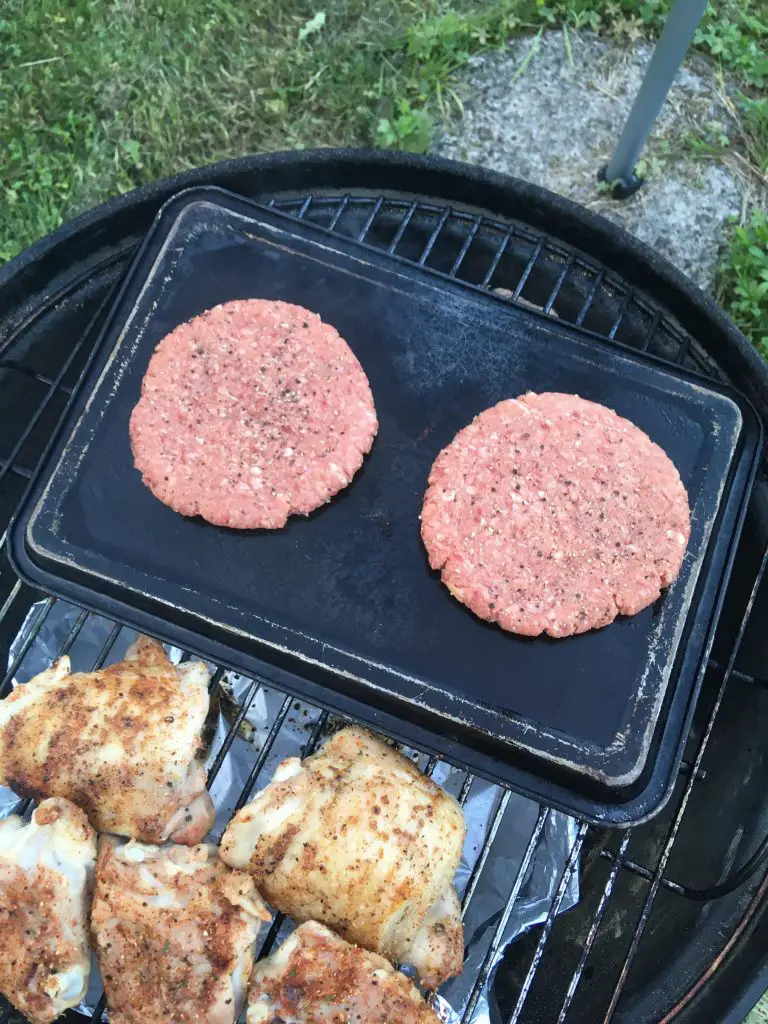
x=743 y=281
x=98 y=96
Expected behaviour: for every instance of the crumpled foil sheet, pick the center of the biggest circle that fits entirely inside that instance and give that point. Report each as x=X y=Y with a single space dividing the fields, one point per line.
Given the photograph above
x=505 y=855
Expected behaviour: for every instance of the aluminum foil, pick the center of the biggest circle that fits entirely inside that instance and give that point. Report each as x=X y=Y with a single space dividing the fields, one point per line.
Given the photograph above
x=484 y=911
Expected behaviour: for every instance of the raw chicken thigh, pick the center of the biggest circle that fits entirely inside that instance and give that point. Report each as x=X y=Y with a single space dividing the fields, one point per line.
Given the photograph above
x=46 y=867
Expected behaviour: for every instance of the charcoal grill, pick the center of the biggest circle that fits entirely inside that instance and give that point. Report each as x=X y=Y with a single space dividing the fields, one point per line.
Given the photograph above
x=654 y=937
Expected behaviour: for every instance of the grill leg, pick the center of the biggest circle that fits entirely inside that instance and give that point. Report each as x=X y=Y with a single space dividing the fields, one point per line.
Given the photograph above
x=667 y=58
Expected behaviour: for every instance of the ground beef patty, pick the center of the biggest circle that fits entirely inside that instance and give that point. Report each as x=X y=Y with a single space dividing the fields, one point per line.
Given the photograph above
x=251 y=412
x=551 y=514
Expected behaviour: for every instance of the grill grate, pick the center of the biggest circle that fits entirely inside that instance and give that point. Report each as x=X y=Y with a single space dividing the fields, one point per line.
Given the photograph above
x=523 y=267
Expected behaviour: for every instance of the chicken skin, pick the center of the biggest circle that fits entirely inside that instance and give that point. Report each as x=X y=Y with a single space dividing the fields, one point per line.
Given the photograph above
x=437 y=950
x=46 y=868
x=315 y=977
x=175 y=931
x=120 y=743
x=356 y=837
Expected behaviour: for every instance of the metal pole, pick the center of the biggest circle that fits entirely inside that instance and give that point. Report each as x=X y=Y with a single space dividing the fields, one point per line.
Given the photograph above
x=667 y=58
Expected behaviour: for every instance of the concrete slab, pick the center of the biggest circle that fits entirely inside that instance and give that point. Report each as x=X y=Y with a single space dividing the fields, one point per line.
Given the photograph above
x=550 y=110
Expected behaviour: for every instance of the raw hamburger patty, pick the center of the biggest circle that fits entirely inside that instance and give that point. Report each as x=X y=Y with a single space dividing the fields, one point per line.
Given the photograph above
x=551 y=514
x=251 y=412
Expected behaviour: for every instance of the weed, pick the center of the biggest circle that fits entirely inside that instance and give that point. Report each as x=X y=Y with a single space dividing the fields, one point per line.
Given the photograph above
x=651 y=167
x=97 y=98
x=743 y=282
x=754 y=124
x=405 y=128
x=739 y=39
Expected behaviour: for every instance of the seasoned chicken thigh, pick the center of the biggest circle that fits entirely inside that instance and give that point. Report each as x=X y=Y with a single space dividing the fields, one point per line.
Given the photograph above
x=437 y=950
x=317 y=978
x=174 y=930
x=120 y=743
x=358 y=838
x=46 y=868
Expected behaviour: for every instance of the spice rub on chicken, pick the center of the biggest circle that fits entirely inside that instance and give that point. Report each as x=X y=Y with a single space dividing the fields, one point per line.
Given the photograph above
x=46 y=872
x=358 y=838
x=121 y=743
x=315 y=977
x=175 y=931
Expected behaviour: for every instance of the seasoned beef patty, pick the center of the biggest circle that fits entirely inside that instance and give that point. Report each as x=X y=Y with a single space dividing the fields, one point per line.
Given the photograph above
x=551 y=514
x=251 y=412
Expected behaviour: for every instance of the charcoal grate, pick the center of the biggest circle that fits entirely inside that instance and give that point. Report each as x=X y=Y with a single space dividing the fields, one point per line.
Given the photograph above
x=527 y=268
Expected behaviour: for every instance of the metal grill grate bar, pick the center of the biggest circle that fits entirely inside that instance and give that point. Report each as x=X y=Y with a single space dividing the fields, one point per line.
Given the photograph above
x=23 y=650
x=402 y=228
x=565 y=879
x=590 y=298
x=558 y=285
x=263 y=754
x=683 y=351
x=594 y=928
x=634 y=868
x=39 y=378
x=686 y=768
x=677 y=821
x=229 y=739
x=15 y=590
x=38 y=413
x=8 y=464
x=371 y=218
x=652 y=331
x=109 y=643
x=465 y=248
x=621 y=314
x=741 y=677
x=493 y=828
x=498 y=934
x=465 y=788
x=500 y=250
x=215 y=680
x=339 y=211
x=434 y=237
x=62 y=294
x=527 y=272
x=56 y=385
x=12 y=467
